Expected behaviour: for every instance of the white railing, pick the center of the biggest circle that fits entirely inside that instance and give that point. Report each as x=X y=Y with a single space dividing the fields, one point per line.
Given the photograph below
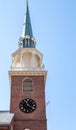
x=27 y=69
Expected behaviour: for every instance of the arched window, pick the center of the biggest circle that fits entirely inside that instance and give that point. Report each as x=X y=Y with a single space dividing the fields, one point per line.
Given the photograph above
x=27 y=85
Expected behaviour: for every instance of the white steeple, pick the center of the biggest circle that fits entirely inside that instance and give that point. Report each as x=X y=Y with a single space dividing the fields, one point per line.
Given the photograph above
x=27 y=57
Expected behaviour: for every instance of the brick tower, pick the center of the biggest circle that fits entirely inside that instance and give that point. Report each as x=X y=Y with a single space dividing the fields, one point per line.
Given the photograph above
x=27 y=82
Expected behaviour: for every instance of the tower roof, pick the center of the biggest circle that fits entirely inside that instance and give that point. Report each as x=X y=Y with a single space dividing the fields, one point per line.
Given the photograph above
x=27 y=40
x=27 y=27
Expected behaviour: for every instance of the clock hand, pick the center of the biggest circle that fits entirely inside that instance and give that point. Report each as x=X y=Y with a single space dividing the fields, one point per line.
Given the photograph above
x=30 y=106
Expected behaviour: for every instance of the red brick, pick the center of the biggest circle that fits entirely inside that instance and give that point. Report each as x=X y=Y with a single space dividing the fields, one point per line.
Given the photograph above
x=37 y=119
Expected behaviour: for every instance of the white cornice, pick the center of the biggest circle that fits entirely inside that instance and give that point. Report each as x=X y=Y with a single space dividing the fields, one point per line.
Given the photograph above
x=27 y=72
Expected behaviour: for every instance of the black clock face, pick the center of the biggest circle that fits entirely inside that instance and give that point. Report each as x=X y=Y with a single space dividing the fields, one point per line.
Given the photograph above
x=27 y=105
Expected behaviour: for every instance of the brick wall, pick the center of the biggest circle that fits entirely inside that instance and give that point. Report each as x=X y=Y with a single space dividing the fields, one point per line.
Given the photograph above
x=37 y=118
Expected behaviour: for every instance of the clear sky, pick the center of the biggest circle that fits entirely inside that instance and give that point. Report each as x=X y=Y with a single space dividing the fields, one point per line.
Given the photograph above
x=54 y=27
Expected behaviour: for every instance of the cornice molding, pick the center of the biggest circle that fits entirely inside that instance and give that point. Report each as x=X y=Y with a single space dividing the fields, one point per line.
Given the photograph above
x=27 y=73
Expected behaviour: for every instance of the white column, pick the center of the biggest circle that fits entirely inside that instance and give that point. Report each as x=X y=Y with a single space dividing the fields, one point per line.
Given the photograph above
x=21 y=59
x=32 y=60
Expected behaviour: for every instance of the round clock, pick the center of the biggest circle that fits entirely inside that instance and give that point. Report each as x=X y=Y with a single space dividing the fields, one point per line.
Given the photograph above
x=27 y=105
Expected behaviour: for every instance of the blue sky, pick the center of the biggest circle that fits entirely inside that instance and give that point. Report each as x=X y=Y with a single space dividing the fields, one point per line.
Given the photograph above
x=54 y=27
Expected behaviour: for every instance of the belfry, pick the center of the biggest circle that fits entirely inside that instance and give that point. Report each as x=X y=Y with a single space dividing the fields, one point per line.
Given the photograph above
x=27 y=77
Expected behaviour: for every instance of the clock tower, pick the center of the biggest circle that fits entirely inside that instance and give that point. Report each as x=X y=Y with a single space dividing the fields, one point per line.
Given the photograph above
x=27 y=82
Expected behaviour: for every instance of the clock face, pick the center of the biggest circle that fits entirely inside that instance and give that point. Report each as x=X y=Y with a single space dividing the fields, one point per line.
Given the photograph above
x=27 y=105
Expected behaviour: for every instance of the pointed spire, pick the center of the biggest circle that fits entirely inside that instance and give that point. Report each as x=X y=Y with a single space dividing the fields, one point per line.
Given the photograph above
x=27 y=27
x=27 y=40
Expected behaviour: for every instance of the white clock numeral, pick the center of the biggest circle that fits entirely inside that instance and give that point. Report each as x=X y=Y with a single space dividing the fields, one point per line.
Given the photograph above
x=33 y=108
x=21 y=107
x=28 y=99
x=33 y=105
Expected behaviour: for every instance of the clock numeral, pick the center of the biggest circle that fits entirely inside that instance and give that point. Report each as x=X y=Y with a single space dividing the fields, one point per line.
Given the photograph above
x=21 y=107
x=27 y=99
x=34 y=105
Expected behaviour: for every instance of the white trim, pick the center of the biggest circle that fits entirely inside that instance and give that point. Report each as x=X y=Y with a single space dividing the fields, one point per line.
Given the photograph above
x=27 y=69
x=27 y=73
